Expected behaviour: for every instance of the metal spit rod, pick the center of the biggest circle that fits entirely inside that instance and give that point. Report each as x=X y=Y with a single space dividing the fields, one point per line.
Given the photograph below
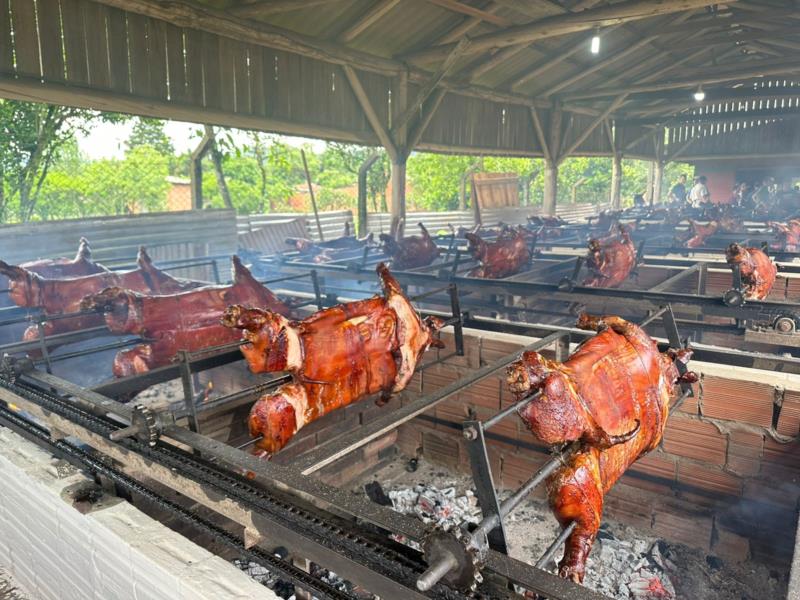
x=551 y=549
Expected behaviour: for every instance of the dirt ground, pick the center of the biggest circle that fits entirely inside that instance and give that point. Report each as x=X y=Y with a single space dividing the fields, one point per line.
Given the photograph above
x=692 y=574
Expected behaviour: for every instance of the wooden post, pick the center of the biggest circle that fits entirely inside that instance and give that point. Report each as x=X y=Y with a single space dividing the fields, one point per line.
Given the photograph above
x=658 y=178
x=616 y=181
x=311 y=193
x=648 y=194
x=197 y=169
x=550 y=187
x=363 y=171
x=398 y=194
x=551 y=161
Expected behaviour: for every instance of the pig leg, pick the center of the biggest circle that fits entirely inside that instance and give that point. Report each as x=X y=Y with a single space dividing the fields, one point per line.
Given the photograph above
x=576 y=494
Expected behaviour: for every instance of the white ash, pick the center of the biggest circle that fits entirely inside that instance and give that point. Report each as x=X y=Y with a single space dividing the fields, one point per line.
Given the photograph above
x=441 y=507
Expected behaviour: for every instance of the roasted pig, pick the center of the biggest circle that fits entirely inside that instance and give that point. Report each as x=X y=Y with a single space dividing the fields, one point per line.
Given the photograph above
x=506 y=256
x=62 y=296
x=788 y=235
x=756 y=268
x=611 y=397
x=58 y=268
x=698 y=234
x=326 y=251
x=337 y=356
x=410 y=252
x=184 y=321
x=610 y=260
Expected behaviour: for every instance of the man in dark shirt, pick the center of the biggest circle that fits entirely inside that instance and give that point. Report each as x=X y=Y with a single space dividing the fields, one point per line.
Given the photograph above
x=678 y=192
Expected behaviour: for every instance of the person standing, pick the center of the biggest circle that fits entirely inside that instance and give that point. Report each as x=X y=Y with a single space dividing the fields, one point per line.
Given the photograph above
x=678 y=192
x=699 y=193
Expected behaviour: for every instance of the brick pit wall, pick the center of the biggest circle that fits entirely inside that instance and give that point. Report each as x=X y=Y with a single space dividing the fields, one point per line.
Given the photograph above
x=719 y=482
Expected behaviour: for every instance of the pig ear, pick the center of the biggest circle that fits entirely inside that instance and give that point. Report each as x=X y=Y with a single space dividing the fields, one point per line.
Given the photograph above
x=13 y=272
x=84 y=251
x=239 y=271
x=143 y=259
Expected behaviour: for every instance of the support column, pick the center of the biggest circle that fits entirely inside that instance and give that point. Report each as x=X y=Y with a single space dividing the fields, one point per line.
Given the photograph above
x=658 y=178
x=616 y=181
x=648 y=193
x=550 y=187
x=398 y=195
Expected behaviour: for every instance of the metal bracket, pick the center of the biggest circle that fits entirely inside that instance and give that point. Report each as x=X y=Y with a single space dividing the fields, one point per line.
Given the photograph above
x=567 y=284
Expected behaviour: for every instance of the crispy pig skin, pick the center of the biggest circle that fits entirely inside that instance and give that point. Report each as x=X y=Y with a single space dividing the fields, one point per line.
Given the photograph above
x=59 y=296
x=610 y=260
x=757 y=270
x=59 y=268
x=185 y=321
x=336 y=357
x=611 y=398
x=410 y=252
x=504 y=257
x=788 y=235
x=699 y=233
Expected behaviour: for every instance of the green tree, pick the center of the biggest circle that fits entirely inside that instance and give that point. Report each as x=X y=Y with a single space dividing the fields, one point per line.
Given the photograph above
x=32 y=135
x=150 y=132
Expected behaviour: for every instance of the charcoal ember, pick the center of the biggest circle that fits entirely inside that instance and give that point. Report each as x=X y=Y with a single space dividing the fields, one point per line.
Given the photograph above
x=376 y=494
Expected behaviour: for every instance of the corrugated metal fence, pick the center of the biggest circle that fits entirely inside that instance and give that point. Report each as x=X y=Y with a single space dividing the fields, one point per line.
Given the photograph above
x=115 y=240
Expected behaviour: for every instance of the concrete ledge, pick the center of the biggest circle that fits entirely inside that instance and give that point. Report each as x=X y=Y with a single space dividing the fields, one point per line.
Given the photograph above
x=115 y=551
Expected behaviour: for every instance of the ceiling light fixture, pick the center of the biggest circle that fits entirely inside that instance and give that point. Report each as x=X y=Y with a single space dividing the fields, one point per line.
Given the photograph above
x=595 y=45
x=699 y=95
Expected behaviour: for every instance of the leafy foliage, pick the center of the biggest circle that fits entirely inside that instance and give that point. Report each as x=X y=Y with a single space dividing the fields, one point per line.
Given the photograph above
x=44 y=176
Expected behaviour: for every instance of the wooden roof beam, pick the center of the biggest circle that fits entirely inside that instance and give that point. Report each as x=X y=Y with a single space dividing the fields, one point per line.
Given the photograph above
x=615 y=104
x=427 y=89
x=372 y=116
x=428 y=112
x=466 y=9
x=604 y=16
x=537 y=127
x=272 y=7
x=648 y=38
x=465 y=26
x=719 y=117
x=736 y=72
x=375 y=13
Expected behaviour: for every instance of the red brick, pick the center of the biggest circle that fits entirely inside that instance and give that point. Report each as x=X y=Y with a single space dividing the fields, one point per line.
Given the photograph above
x=744 y=452
x=730 y=546
x=409 y=439
x=693 y=438
x=709 y=479
x=683 y=527
x=452 y=409
x=520 y=467
x=485 y=393
x=375 y=446
x=781 y=460
x=737 y=400
x=656 y=464
x=440 y=449
x=789 y=420
x=691 y=405
x=508 y=427
x=629 y=505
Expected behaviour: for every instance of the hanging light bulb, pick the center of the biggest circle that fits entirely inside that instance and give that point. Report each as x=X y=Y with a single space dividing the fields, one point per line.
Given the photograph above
x=594 y=47
x=699 y=95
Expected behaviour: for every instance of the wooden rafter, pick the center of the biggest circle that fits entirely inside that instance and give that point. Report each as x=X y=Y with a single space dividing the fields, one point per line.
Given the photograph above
x=467 y=25
x=604 y=16
x=427 y=89
x=616 y=103
x=537 y=127
x=272 y=7
x=733 y=72
x=372 y=117
x=466 y=9
x=377 y=11
x=428 y=112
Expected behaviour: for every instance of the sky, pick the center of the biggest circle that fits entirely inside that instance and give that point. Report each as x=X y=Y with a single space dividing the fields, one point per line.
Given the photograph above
x=107 y=140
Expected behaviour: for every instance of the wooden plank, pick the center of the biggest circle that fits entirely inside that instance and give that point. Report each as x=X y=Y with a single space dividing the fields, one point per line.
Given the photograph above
x=138 y=55
x=175 y=64
x=6 y=39
x=74 y=41
x=118 y=50
x=194 y=67
x=157 y=54
x=258 y=98
x=26 y=40
x=49 y=16
x=94 y=21
x=212 y=79
x=241 y=78
x=226 y=69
